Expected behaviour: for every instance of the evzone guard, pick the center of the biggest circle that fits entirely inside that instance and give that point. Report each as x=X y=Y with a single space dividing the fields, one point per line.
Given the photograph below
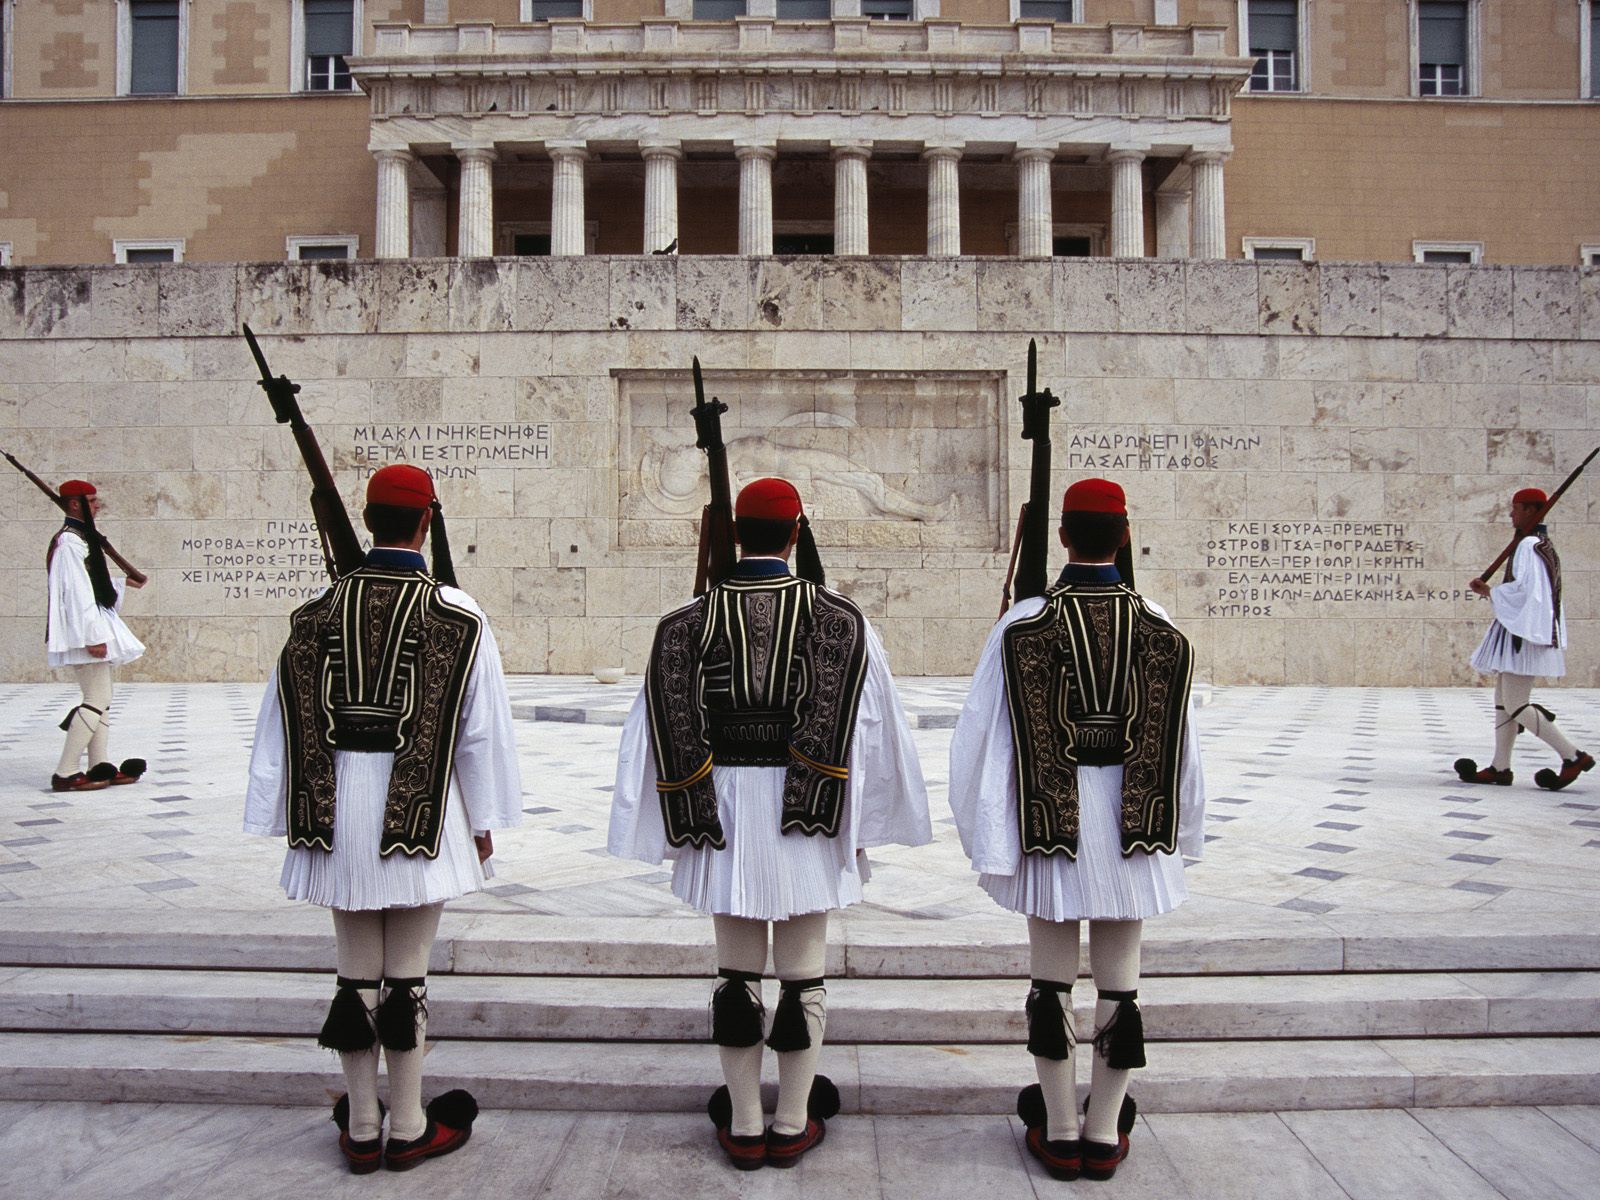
x=87 y=634
x=384 y=751
x=766 y=751
x=1527 y=638
x=1076 y=786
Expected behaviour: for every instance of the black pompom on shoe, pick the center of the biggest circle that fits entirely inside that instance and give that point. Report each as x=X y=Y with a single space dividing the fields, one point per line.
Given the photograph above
x=450 y=1119
x=1467 y=771
x=823 y=1103
x=1554 y=781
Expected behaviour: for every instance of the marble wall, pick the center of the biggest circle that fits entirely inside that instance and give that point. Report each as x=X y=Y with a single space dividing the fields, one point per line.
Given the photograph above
x=1318 y=456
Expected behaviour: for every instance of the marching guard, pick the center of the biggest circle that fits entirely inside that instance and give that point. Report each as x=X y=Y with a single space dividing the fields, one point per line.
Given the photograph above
x=1527 y=638
x=766 y=750
x=385 y=752
x=1076 y=786
x=87 y=633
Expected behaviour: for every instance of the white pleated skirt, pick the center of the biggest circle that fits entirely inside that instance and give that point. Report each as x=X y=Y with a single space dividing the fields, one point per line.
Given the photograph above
x=354 y=877
x=1100 y=884
x=763 y=873
x=1496 y=653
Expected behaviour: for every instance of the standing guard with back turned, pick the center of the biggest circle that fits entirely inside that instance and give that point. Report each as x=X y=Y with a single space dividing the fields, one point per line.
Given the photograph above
x=767 y=748
x=384 y=750
x=1076 y=786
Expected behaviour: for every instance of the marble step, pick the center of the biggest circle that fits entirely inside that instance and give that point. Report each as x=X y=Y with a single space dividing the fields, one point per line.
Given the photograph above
x=576 y=1008
x=877 y=1079
x=1189 y=942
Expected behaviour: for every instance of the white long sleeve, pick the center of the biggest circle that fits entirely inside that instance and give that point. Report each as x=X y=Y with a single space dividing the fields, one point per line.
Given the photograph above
x=76 y=619
x=1525 y=605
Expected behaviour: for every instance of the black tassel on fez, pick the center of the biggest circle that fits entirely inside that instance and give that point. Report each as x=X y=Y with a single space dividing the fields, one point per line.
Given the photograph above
x=1121 y=1041
x=790 y=1030
x=398 y=1014
x=444 y=570
x=348 y=1028
x=735 y=1012
x=1047 y=1022
x=807 y=562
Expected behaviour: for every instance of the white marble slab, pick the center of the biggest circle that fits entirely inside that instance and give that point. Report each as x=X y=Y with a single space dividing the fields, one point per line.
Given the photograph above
x=1386 y=1154
x=1209 y=1153
x=1521 y=1151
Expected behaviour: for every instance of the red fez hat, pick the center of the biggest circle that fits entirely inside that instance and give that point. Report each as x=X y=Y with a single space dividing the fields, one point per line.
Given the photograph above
x=400 y=485
x=1095 y=496
x=1529 y=496
x=77 y=487
x=768 y=500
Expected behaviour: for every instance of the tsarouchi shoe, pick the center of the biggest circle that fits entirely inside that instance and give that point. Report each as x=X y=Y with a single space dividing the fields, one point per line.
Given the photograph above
x=450 y=1118
x=1468 y=772
x=364 y=1157
x=129 y=772
x=748 y=1152
x=1062 y=1159
x=786 y=1149
x=77 y=782
x=1101 y=1161
x=1570 y=769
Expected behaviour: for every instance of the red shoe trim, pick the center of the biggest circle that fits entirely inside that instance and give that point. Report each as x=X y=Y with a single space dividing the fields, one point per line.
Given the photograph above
x=785 y=1149
x=1059 y=1166
x=436 y=1140
x=747 y=1152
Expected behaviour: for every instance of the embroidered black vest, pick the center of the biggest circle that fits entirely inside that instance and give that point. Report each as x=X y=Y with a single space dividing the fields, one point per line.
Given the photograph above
x=757 y=672
x=378 y=664
x=1546 y=550
x=1096 y=678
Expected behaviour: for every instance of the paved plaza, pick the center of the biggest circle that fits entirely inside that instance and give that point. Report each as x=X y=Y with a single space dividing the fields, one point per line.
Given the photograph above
x=1330 y=811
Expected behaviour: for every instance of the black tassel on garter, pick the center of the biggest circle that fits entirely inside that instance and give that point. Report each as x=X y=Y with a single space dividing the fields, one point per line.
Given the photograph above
x=406 y=1002
x=790 y=1030
x=349 y=1028
x=444 y=570
x=1049 y=1035
x=1120 y=1040
x=736 y=1012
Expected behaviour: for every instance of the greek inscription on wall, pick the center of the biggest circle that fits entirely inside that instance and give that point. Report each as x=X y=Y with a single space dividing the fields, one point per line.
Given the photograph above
x=1186 y=448
x=451 y=451
x=278 y=561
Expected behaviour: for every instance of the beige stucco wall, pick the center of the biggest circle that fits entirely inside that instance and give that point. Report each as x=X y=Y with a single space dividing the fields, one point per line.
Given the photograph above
x=1318 y=457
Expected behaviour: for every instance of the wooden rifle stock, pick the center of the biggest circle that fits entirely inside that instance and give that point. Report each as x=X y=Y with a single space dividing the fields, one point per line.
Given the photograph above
x=1548 y=505
x=136 y=576
x=341 y=549
x=714 y=562
x=1030 y=554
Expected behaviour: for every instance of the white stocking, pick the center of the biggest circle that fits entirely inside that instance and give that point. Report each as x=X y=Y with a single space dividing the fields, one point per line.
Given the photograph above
x=799 y=952
x=1114 y=960
x=408 y=935
x=360 y=939
x=1054 y=956
x=89 y=727
x=742 y=946
x=1513 y=693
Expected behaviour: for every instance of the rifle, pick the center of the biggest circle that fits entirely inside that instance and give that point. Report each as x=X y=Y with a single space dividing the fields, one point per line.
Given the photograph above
x=1030 y=548
x=341 y=550
x=1548 y=505
x=714 y=561
x=135 y=576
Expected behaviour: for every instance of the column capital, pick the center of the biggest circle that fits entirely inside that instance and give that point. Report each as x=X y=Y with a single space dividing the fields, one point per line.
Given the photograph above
x=573 y=151
x=761 y=150
x=851 y=149
x=1115 y=154
x=1208 y=156
x=952 y=151
x=393 y=154
x=474 y=152
x=661 y=149
x=1026 y=153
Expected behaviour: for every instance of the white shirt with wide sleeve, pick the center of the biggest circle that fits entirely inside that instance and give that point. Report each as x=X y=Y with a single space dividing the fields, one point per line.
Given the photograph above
x=765 y=874
x=1524 y=607
x=76 y=620
x=1101 y=883
x=485 y=794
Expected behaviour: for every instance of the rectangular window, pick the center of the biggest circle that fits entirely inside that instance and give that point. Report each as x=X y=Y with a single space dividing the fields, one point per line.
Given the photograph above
x=330 y=37
x=1447 y=252
x=327 y=246
x=886 y=10
x=1441 y=49
x=802 y=243
x=805 y=10
x=1048 y=10
x=1594 y=51
x=153 y=55
x=5 y=254
x=1072 y=245
x=1280 y=249
x=1275 y=45
x=544 y=10
x=147 y=250
x=537 y=244
x=1589 y=256
x=718 y=10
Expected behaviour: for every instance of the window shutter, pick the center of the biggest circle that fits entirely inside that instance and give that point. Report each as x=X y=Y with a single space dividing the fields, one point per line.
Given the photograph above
x=804 y=10
x=330 y=28
x=1272 y=26
x=154 y=52
x=1442 y=30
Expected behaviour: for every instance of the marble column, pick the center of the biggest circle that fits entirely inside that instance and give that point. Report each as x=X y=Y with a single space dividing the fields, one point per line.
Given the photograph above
x=1035 y=224
x=1127 y=203
x=944 y=201
x=1172 y=224
x=1210 y=227
x=850 y=196
x=475 y=223
x=660 y=194
x=755 y=195
x=393 y=227
x=566 y=197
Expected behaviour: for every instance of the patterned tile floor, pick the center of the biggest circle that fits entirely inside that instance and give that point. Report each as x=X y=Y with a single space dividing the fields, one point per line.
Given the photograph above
x=1322 y=801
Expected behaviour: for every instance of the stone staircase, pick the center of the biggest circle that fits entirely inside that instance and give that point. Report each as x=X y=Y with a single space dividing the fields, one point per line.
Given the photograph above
x=541 y=1012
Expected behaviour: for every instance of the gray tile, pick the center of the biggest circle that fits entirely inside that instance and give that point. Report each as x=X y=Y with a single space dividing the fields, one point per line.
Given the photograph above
x=1523 y=1152
x=1239 y=1156
x=166 y=885
x=1386 y=1153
